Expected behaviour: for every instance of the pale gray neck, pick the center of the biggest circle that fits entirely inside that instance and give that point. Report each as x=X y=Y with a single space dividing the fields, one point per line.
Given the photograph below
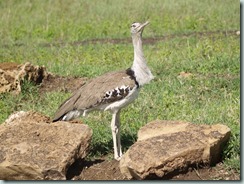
x=142 y=72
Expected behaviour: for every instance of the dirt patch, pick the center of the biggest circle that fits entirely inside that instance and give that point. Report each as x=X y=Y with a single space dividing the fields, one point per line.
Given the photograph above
x=99 y=169
x=8 y=66
x=161 y=38
x=107 y=169
x=152 y=40
x=218 y=172
x=59 y=83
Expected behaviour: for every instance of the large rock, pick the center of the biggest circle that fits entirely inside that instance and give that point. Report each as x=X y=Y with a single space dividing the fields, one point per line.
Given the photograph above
x=32 y=148
x=12 y=75
x=167 y=146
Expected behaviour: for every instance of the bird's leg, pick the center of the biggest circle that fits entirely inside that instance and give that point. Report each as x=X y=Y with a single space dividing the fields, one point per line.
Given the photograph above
x=115 y=127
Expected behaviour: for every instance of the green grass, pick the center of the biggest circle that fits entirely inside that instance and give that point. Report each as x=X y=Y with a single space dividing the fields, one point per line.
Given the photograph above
x=210 y=96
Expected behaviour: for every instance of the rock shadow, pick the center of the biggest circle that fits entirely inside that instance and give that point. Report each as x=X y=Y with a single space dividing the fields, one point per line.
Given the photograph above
x=76 y=168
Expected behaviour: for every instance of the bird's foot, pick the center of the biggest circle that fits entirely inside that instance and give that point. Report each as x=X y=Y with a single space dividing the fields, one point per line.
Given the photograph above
x=118 y=157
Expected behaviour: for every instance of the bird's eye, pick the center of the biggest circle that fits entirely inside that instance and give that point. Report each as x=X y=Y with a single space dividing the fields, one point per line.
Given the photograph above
x=133 y=25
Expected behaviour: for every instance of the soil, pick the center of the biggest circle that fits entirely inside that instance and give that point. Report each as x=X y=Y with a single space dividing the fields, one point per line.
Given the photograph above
x=108 y=169
x=59 y=83
x=212 y=34
x=8 y=66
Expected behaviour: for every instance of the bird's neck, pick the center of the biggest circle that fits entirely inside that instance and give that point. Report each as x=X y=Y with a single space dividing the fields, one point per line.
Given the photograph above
x=142 y=72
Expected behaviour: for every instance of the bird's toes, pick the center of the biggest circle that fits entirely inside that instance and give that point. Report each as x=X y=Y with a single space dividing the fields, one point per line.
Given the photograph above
x=118 y=158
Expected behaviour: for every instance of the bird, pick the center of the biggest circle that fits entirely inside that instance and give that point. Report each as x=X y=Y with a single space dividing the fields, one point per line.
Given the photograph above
x=111 y=91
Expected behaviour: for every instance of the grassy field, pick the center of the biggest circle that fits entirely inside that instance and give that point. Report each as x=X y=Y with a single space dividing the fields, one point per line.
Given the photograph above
x=43 y=32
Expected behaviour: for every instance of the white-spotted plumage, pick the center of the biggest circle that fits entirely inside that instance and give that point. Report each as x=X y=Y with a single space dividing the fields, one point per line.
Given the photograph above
x=111 y=91
x=121 y=91
x=117 y=105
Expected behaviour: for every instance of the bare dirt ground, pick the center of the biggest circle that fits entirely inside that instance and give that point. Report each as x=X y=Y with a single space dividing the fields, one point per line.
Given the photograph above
x=211 y=34
x=59 y=83
x=107 y=169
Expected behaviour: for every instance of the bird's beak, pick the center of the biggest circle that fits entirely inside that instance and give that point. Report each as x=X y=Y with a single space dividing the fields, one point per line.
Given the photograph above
x=143 y=25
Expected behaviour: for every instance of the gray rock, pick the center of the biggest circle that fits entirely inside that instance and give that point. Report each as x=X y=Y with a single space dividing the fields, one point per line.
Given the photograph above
x=32 y=148
x=167 y=146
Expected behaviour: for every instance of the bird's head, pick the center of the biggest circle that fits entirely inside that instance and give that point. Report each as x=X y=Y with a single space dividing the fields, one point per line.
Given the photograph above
x=137 y=28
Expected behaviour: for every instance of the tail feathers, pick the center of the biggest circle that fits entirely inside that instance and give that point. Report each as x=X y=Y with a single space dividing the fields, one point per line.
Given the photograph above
x=58 y=119
x=68 y=116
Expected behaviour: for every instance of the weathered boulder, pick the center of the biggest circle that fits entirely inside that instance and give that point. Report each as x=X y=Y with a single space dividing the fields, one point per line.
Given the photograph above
x=32 y=148
x=12 y=75
x=167 y=146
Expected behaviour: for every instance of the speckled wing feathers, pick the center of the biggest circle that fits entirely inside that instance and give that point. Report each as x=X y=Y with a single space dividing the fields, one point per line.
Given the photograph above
x=107 y=88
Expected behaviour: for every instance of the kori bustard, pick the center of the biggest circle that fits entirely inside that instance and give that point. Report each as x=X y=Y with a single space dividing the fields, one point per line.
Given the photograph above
x=111 y=91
